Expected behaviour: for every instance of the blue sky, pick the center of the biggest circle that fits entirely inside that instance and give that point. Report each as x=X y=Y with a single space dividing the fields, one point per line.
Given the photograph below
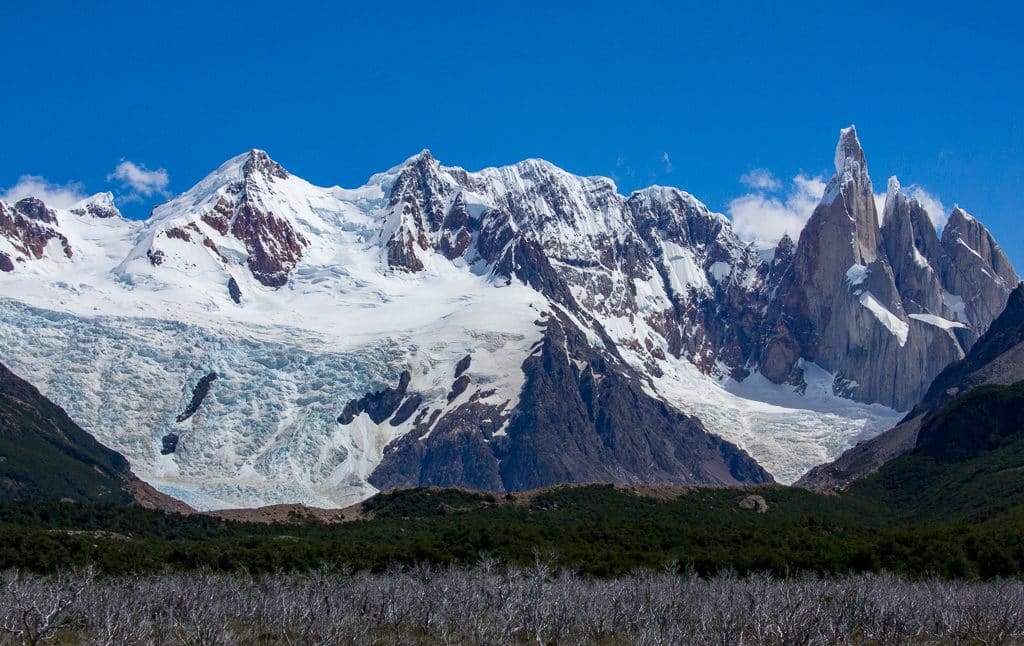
x=691 y=95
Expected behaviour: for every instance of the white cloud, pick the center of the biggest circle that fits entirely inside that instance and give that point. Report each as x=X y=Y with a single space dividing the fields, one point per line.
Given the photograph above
x=763 y=218
x=140 y=180
x=760 y=179
x=931 y=203
x=57 y=196
x=668 y=162
x=933 y=206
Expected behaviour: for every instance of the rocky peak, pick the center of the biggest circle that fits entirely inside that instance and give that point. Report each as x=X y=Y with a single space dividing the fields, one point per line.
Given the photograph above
x=28 y=227
x=842 y=303
x=418 y=204
x=34 y=209
x=100 y=205
x=849 y=156
x=249 y=199
x=912 y=248
x=258 y=163
x=964 y=230
x=676 y=214
x=977 y=273
x=851 y=188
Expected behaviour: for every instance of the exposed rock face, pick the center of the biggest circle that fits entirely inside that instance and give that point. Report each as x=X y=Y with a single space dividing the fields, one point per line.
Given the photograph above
x=29 y=226
x=236 y=209
x=996 y=359
x=273 y=245
x=877 y=305
x=914 y=251
x=382 y=404
x=754 y=503
x=582 y=417
x=978 y=272
x=199 y=393
x=100 y=205
x=234 y=291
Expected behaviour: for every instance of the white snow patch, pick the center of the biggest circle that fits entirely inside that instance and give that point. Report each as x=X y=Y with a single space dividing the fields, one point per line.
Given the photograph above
x=919 y=259
x=893 y=323
x=720 y=270
x=684 y=272
x=856 y=275
x=956 y=305
x=968 y=247
x=937 y=321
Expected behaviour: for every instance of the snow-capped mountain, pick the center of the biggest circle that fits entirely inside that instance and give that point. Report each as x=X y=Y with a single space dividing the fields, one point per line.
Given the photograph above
x=884 y=308
x=260 y=339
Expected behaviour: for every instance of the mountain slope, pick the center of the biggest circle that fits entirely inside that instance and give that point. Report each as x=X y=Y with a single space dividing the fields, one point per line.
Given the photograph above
x=966 y=464
x=46 y=456
x=997 y=359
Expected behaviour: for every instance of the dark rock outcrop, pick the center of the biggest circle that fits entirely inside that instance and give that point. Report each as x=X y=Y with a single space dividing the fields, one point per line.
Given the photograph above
x=234 y=291
x=382 y=404
x=458 y=387
x=582 y=417
x=406 y=409
x=30 y=226
x=169 y=443
x=463 y=365
x=199 y=393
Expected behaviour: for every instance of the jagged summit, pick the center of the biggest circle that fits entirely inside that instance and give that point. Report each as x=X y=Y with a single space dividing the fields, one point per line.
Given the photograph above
x=849 y=152
x=259 y=162
x=100 y=205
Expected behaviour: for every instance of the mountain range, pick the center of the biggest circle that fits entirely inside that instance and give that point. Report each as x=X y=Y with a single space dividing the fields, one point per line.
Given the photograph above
x=262 y=340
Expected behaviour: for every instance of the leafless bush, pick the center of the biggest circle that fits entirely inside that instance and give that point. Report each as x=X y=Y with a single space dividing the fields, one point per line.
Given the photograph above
x=489 y=604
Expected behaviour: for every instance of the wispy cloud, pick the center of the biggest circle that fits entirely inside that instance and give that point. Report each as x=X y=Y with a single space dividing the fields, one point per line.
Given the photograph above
x=760 y=179
x=141 y=181
x=937 y=211
x=765 y=218
x=667 y=161
x=770 y=211
x=58 y=196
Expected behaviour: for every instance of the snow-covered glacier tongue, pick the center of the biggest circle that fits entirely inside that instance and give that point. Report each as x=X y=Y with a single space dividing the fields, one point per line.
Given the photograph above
x=267 y=431
x=263 y=340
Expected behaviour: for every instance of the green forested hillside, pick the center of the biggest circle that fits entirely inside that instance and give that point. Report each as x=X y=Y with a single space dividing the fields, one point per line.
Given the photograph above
x=46 y=456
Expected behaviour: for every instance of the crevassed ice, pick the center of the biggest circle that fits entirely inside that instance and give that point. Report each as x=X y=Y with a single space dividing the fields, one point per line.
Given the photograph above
x=266 y=433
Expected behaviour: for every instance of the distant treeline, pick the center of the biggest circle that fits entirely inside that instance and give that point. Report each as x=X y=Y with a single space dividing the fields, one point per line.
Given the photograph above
x=597 y=531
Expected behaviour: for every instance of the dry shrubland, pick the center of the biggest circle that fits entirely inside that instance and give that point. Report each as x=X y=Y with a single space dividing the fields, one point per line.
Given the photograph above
x=491 y=605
